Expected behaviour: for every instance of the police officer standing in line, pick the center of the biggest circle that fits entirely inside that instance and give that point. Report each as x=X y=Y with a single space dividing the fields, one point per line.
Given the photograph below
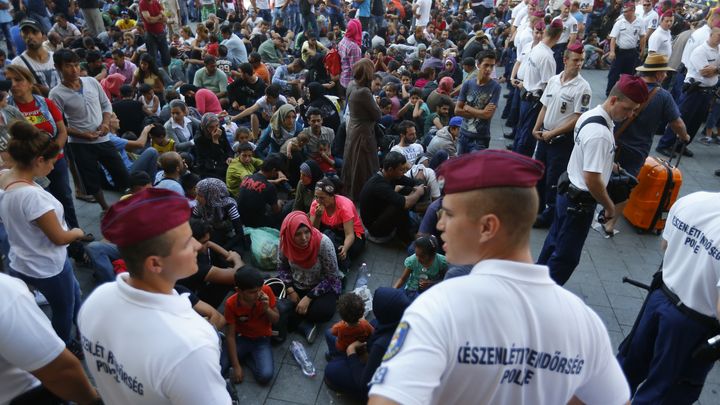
x=540 y=68
x=700 y=36
x=681 y=311
x=635 y=136
x=661 y=40
x=588 y=173
x=626 y=34
x=568 y=36
x=650 y=19
x=440 y=355
x=698 y=91
x=143 y=342
x=566 y=96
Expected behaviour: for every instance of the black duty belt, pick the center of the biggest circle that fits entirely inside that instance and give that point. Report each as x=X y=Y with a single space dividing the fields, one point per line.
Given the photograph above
x=703 y=319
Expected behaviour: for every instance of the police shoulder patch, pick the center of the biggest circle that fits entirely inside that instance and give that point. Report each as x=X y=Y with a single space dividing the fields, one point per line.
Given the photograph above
x=585 y=100
x=397 y=341
x=379 y=376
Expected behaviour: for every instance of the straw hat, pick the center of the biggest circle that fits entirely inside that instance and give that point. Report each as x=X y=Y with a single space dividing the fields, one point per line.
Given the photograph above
x=655 y=62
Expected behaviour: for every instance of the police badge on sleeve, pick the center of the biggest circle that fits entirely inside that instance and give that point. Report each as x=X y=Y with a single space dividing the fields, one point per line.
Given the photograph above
x=397 y=341
x=585 y=100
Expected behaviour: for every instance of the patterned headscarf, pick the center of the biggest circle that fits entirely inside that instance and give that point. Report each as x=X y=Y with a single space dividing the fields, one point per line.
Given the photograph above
x=216 y=196
x=207 y=120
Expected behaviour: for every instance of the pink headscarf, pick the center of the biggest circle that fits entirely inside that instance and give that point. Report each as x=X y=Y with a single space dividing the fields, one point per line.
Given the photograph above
x=354 y=31
x=206 y=101
x=111 y=85
x=445 y=86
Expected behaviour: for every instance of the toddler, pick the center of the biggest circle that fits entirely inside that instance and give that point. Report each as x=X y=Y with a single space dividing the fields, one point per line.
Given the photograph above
x=353 y=327
x=324 y=157
x=151 y=102
x=423 y=269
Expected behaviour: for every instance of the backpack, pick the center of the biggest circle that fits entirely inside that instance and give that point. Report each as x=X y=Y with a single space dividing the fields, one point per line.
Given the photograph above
x=332 y=62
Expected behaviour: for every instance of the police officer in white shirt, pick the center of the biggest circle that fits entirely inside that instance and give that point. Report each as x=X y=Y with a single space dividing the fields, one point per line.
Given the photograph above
x=566 y=96
x=568 y=36
x=626 y=45
x=698 y=91
x=35 y=366
x=697 y=38
x=649 y=17
x=143 y=342
x=588 y=173
x=681 y=311
x=661 y=40
x=519 y=338
x=540 y=68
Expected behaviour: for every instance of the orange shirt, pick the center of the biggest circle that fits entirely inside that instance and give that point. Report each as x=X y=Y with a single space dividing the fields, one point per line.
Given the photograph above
x=263 y=73
x=251 y=322
x=347 y=334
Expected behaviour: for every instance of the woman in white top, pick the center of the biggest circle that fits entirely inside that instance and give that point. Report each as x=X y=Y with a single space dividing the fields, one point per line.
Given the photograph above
x=36 y=229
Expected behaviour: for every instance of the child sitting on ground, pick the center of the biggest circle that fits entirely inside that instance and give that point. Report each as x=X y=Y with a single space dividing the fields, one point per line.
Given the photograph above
x=423 y=269
x=151 y=102
x=242 y=135
x=353 y=327
x=243 y=165
x=250 y=313
x=160 y=140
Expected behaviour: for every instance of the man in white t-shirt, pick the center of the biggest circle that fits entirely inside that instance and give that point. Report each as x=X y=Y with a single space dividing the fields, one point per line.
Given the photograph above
x=588 y=173
x=505 y=333
x=421 y=10
x=153 y=349
x=568 y=36
x=36 y=58
x=408 y=146
x=34 y=362
x=661 y=40
x=682 y=312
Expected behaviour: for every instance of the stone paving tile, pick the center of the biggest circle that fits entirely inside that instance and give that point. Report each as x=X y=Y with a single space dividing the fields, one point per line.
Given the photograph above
x=598 y=280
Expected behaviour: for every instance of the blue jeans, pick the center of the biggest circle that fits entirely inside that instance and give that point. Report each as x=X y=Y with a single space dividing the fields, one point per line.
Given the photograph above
x=265 y=14
x=337 y=19
x=63 y=294
x=101 y=256
x=467 y=144
x=331 y=340
x=146 y=162
x=310 y=24
x=266 y=144
x=5 y=27
x=60 y=189
x=262 y=357
x=278 y=12
x=294 y=22
x=563 y=245
x=158 y=43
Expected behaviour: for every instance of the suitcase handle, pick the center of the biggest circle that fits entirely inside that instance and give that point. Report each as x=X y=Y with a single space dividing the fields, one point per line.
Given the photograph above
x=683 y=145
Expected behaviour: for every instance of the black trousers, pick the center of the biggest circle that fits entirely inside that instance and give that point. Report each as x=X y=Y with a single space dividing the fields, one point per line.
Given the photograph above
x=88 y=155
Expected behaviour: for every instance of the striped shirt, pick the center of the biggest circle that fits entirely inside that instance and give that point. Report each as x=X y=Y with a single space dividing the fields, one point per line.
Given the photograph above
x=350 y=53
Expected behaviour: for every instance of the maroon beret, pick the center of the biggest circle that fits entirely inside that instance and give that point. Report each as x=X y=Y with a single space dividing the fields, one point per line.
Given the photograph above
x=144 y=215
x=540 y=25
x=538 y=14
x=534 y=2
x=717 y=10
x=576 y=47
x=668 y=13
x=567 y=3
x=633 y=88
x=556 y=23
x=489 y=168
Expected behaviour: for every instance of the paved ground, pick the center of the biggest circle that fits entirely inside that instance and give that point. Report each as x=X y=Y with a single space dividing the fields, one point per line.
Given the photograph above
x=597 y=280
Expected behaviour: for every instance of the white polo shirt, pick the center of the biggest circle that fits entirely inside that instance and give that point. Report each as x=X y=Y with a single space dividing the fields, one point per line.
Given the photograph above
x=594 y=149
x=521 y=57
x=523 y=36
x=700 y=36
x=540 y=67
x=660 y=42
x=504 y=334
x=691 y=265
x=27 y=340
x=562 y=100
x=627 y=34
x=519 y=13
x=146 y=348
x=570 y=26
x=651 y=20
x=702 y=56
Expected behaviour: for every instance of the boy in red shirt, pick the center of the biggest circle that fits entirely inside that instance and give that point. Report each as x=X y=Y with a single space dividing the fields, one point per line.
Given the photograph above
x=250 y=314
x=352 y=328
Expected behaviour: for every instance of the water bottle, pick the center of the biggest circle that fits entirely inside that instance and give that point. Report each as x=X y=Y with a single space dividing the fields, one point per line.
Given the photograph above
x=363 y=276
x=298 y=351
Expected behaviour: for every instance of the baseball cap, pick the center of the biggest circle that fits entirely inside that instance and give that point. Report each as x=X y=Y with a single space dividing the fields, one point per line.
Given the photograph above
x=455 y=121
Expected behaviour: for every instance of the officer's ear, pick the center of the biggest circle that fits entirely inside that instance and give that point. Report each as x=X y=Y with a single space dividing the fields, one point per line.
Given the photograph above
x=488 y=227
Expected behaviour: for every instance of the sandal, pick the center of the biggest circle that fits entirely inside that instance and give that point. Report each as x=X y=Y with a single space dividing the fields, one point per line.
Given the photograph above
x=85 y=197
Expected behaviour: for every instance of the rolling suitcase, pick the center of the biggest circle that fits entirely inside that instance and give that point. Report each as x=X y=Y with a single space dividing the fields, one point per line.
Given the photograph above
x=658 y=187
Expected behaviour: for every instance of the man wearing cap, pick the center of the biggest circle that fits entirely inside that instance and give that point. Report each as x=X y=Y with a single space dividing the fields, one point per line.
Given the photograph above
x=661 y=40
x=568 y=36
x=37 y=58
x=635 y=139
x=588 y=173
x=626 y=45
x=443 y=351
x=143 y=342
x=446 y=138
x=566 y=96
x=698 y=92
x=540 y=68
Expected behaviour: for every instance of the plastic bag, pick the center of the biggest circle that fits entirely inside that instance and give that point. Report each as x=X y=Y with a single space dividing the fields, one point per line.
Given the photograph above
x=367 y=297
x=264 y=246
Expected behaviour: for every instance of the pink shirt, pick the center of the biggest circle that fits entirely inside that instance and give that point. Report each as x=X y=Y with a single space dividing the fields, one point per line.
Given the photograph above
x=344 y=211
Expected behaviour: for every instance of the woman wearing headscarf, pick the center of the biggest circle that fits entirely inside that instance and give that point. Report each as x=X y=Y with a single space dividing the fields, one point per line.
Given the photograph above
x=310 y=173
x=308 y=267
x=212 y=148
x=361 y=159
x=445 y=87
x=451 y=66
x=348 y=373
x=282 y=127
x=328 y=105
x=350 y=51
x=217 y=208
x=111 y=85
x=207 y=102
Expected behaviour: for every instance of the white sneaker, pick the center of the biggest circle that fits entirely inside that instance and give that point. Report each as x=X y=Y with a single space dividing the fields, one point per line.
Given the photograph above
x=40 y=298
